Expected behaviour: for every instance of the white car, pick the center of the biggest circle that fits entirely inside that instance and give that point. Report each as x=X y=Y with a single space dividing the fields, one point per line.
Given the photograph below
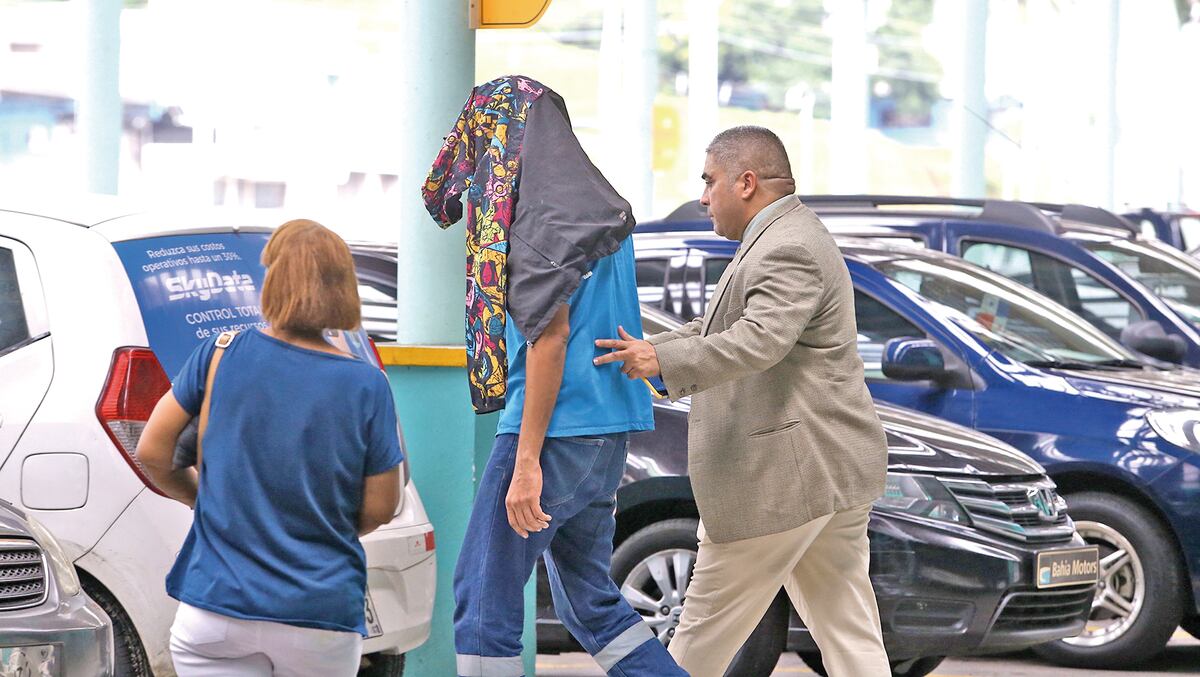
x=98 y=308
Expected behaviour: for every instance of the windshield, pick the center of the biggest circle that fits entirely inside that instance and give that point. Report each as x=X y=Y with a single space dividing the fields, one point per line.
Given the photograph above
x=1173 y=277
x=1005 y=316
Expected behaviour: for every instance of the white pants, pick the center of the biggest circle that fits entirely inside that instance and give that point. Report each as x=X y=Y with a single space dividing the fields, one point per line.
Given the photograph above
x=207 y=644
x=823 y=565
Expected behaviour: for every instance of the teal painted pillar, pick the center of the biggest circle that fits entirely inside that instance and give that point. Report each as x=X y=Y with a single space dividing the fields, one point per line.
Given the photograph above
x=436 y=72
x=98 y=110
x=448 y=444
x=970 y=110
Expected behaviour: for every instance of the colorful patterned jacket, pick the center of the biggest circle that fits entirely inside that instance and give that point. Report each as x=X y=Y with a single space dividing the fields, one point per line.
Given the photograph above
x=539 y=214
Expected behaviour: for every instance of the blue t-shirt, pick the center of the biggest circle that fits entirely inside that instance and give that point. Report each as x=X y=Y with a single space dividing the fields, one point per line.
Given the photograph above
x=291 y=434
x=592 y=400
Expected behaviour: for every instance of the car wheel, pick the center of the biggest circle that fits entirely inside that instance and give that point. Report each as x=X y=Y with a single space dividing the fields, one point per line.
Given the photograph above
x=912 y=667
x=129 y=658
x=654 y=568
x=1137 y=604
x=381 y=665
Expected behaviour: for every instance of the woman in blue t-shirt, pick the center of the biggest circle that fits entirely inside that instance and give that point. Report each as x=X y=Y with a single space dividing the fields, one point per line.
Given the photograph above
x=300 y=457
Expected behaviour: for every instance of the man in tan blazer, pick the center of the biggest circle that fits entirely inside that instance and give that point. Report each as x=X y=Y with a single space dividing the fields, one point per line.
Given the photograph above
x=786 y=453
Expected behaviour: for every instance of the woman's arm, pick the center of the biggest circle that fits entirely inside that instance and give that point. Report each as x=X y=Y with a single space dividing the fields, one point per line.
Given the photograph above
x=381 y=495
x=156 y=449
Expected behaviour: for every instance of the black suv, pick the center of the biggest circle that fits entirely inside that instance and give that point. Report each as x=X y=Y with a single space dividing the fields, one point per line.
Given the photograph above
x=955 y=546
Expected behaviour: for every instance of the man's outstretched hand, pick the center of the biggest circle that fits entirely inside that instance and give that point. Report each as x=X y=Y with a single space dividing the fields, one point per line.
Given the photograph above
x=637 y=357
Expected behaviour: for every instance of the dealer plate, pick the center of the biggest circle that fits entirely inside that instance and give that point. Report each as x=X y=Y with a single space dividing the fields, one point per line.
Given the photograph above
x=37 y=660
x=374 y=627
x=1076 y=566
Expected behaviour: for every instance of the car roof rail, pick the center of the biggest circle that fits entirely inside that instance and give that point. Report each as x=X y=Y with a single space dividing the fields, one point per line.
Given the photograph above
x=666 y=226
x=1023 y=214
x=871 y=201
x=867 y=200
x=691 y=210
x=1095 y=216
x=1030 y=215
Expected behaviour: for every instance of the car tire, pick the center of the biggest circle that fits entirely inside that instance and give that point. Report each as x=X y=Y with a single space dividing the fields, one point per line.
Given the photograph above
x=912 y=667
x=381 y=665
x=673 y=543
x=129 y=657
x=1138 y=595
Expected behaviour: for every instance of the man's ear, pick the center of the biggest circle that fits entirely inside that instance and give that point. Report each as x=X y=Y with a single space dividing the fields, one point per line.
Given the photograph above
x=747 y=184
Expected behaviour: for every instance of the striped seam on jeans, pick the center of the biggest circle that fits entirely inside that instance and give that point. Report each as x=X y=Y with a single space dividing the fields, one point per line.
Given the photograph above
x=489 y=666
x=623 y=645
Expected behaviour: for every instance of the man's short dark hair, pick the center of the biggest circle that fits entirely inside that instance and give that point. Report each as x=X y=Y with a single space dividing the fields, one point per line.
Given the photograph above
x=752 y=148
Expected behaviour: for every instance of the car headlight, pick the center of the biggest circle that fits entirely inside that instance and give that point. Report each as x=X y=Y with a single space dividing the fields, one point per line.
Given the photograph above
x=1177 y=426
x=921 y=496
x=64 y=569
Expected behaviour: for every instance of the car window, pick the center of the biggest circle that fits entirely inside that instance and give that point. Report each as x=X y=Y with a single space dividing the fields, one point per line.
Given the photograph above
x=878 y=324
x=656 y=321
x=688 y=298
x=1004 y=315
x=14 y=328
x=714 y=268
x=193 y=287
x=1189 y=226
x=674 y=284
x=1147 y=228
x=378 y=310
x=1011 y=262
x=1173 y=277
x=651 y=280
x=1069 y=285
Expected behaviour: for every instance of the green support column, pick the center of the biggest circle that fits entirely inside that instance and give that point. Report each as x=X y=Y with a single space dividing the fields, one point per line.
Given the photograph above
x=448 y=444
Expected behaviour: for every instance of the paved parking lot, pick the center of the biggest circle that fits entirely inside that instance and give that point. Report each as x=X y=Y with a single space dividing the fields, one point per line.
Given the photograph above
x=1181 y=658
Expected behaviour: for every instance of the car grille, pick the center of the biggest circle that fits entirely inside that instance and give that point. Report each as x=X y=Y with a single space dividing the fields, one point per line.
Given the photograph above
x=1044 y=609
x=1025 y=511
x=22 y=574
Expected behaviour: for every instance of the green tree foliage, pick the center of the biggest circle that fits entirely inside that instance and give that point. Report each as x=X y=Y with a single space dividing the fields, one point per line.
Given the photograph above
x=911 y=72
x=773 y=45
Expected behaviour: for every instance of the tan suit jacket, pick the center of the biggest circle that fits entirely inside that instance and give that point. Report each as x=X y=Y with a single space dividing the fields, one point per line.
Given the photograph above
x=782 y=427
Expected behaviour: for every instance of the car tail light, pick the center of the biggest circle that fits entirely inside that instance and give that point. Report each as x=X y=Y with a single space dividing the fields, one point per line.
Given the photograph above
x=136 y=381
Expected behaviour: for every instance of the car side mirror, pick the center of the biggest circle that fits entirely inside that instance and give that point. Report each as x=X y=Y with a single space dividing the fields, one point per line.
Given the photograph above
x=913 y=359
x=1149 y=338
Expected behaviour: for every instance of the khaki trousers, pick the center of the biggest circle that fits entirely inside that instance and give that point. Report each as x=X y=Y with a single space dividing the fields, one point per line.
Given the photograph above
x=823 y=565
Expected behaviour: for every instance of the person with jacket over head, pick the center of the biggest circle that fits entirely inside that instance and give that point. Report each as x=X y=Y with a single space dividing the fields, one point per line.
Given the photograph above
x=550 y=269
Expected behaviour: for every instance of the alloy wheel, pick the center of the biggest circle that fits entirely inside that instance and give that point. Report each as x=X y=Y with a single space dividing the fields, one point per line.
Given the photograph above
x=656 y=588
x=1120 y=591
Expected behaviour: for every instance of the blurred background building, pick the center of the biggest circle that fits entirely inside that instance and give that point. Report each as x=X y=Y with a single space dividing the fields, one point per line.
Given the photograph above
x=290 y=103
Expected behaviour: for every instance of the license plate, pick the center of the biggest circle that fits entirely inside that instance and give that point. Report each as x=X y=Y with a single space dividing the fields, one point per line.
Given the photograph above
x=374 y=627
x=23 y=661
x=1056 y=568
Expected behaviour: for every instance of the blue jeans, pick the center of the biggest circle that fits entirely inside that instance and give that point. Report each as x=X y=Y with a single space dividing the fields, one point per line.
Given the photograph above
x=580 y=476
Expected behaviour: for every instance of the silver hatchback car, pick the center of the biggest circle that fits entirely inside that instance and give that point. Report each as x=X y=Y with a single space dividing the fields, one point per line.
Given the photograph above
x=48 y=625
